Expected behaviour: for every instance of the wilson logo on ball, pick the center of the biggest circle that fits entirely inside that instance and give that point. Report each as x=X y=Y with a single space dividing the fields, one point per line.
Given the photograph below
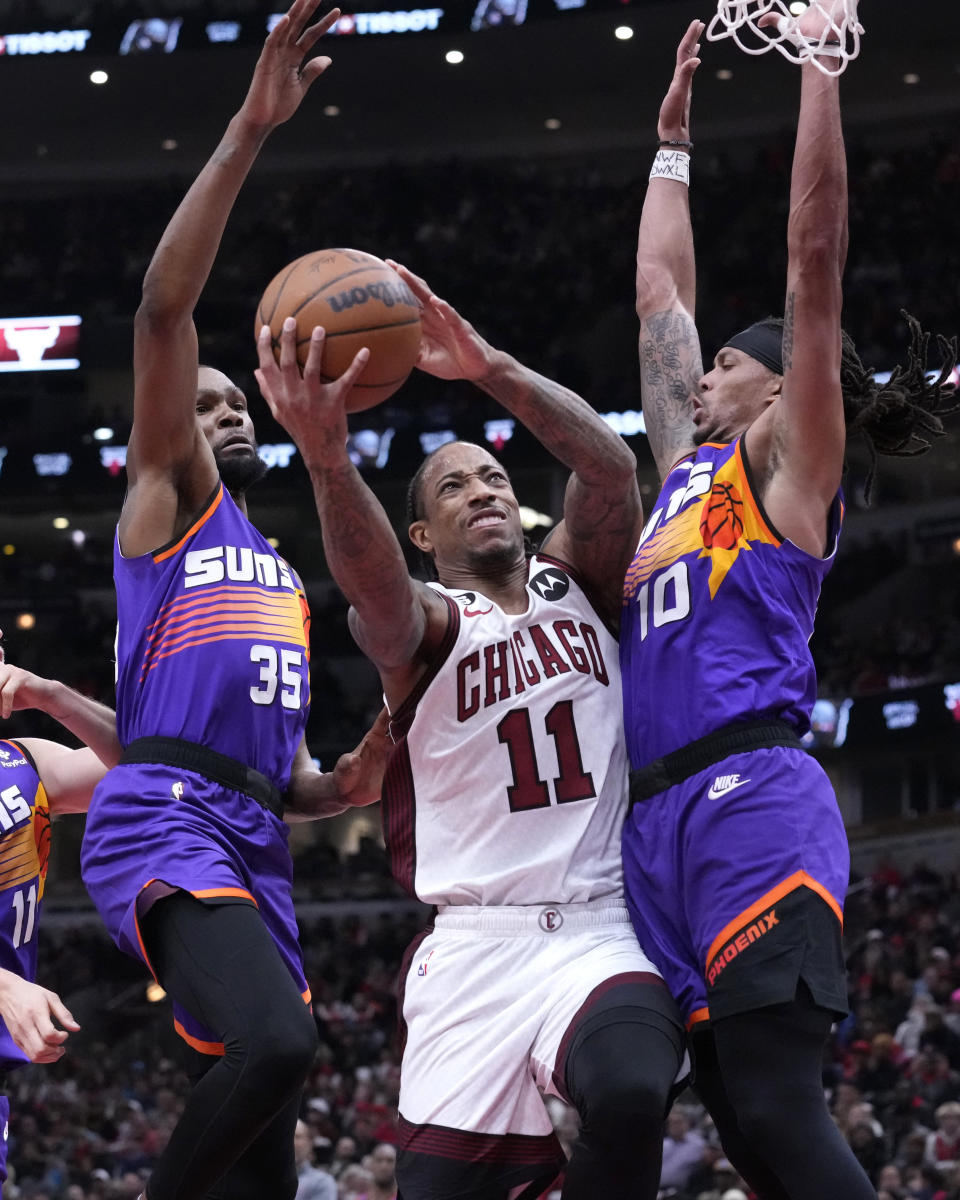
x=360 y=302
x=387 y=293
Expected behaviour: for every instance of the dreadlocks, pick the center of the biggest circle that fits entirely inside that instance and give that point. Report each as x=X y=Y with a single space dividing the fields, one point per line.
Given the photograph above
x=903 y=416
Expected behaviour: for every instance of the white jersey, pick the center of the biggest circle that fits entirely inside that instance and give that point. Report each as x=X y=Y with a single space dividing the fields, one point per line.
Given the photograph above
x=509 y=781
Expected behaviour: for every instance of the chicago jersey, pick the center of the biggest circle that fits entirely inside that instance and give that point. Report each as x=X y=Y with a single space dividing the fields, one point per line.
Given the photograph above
x=718 y=610
x=508 y=783
x=212 y=643
x=24 y=851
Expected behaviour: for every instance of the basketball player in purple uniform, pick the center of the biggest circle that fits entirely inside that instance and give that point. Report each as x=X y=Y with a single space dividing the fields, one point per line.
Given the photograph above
x=39 y=779
x=735 y=856
x=185 y=852
x=506 y=794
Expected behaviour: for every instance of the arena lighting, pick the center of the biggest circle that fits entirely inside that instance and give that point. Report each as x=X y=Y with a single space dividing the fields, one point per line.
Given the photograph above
x=454 y=57
x=102 y=434
x=623 y=33
x=724 y=73
x=274 y=542
x=798 y=8
x=911 y=77
x=26 y=620
x=9 y=550
x=155 y=992
x=331 y=110
x=531 y=519
x=552 y=123
x=61 y=523
x=99 y=77
x=168 y=144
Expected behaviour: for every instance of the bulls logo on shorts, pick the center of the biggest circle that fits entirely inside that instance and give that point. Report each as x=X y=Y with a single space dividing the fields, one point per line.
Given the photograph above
x=550 y=584
x=550 y=920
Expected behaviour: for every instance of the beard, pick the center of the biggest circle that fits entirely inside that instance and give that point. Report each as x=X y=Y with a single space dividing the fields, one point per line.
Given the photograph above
x=240 y=471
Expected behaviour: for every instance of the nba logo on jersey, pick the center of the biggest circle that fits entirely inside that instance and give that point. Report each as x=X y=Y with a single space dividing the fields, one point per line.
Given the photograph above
x=550 y=920
x=422 y=969
x=550 y=584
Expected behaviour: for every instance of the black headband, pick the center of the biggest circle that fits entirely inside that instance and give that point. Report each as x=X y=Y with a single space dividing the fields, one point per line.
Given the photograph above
x=762 y=341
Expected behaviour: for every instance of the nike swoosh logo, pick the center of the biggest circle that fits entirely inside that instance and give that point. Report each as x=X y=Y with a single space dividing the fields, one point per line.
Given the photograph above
x=714 y=794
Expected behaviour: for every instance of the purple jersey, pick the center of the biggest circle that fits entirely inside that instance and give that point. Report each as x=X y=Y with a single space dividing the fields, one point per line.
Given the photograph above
x=24 y=851
x=212 y=643
x=718 y=610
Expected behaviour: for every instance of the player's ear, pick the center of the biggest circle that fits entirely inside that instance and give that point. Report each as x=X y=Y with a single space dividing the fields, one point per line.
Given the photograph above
x=420 y=537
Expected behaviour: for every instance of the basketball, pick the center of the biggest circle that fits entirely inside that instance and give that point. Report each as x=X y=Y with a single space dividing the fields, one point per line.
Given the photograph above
x=360 y=302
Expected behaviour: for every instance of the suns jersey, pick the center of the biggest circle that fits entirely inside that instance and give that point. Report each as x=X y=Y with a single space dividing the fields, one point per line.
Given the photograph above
x=718 y=610
x=508 y=783
x=24 y=851
x=213 y=643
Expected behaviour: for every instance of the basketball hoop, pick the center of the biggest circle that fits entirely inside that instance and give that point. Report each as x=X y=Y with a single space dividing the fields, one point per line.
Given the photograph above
x=838 y=44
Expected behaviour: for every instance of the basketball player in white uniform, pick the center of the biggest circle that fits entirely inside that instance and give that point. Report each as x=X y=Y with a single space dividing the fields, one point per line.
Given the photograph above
x=507 y=790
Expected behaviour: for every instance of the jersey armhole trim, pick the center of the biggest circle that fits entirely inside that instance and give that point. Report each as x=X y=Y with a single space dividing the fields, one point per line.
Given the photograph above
x=23 y=750
x=582 y=584
x=751 y=495
x=401 y=720
x=209 y=507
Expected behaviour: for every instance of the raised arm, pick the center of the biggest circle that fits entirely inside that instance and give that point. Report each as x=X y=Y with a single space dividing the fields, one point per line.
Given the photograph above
x=394 y=619
x=798 y=450
x=171 y=468
x=670 y=362
x=68 y=776
x=602 y=516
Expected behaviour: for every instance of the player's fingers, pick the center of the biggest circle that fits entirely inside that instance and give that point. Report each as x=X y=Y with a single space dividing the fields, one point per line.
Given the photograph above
x=314 y=69
x=419 y=287
x=62 y=1014
x=313 y=367
x=313 y=33
x=288 y=345
x=268 y=362
x=6 y=698
x=360 y=360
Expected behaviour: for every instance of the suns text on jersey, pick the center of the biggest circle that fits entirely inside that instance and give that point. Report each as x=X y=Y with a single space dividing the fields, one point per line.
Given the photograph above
x=504 y=669
x=241 y=564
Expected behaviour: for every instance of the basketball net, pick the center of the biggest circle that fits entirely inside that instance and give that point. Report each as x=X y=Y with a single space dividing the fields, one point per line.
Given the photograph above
x=837 y=45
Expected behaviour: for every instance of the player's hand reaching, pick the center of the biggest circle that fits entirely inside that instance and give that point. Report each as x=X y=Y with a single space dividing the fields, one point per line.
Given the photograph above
x=29 y=1012
x=311 y=410
x=281 y=78
x=359 y=773
x=450 y=347
x=674 y=122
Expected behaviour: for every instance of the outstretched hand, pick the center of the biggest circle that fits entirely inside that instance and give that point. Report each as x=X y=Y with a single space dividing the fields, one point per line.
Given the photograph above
x=29 y=1012
x=674 y=122
x=281 y=78
x=359 y=773
x=450 y=347
x=309 y=407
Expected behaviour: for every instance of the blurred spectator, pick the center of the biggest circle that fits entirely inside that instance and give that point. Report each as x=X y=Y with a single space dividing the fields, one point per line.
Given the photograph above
x=312 y=1183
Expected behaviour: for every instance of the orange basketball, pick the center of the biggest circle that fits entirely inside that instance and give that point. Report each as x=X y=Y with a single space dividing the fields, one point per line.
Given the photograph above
x=359 y=301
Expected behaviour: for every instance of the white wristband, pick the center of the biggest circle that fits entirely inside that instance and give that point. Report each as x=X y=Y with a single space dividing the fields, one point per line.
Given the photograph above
x=671 y=164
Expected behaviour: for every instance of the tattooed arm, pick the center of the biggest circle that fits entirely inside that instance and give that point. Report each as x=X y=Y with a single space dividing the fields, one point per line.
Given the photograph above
x=395 y=619
x=670 y=364
x=797 y=448
x=602 y=516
